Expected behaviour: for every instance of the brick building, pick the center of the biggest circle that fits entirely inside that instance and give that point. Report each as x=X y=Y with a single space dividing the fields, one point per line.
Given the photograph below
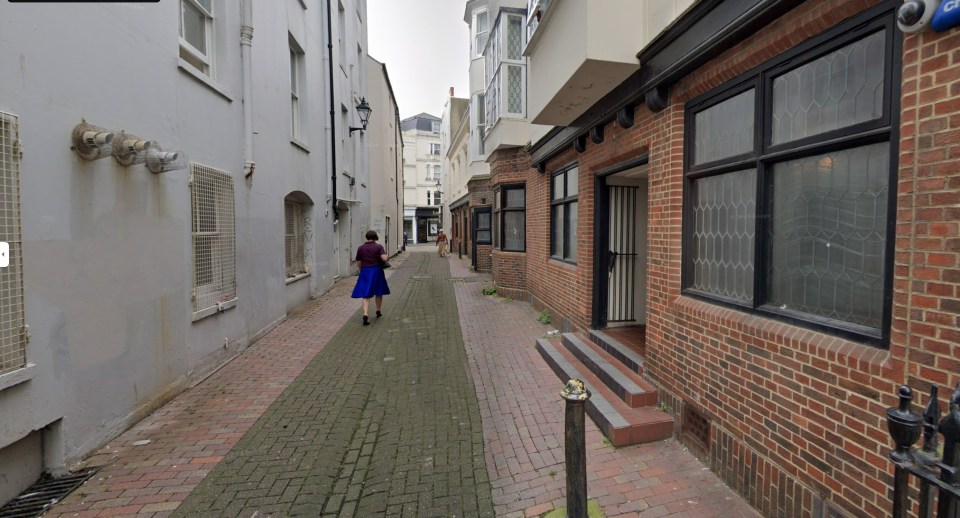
x=768 y=199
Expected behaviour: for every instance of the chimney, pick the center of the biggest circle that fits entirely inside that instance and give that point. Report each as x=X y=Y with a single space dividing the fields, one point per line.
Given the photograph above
x=451 y=91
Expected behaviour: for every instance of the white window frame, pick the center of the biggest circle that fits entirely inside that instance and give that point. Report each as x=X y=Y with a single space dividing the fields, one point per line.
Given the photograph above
x=475 y=40
x=496 y=65
x=295 y=252
x=432 y=148
x=13 y=336
x=221 y=292
x=208 y=27
x=296 y=89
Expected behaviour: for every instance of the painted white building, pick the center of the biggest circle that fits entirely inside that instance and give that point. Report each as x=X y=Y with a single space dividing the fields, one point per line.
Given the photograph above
x=386 y=158
x=421 y=174
x=455 y=146
x=128 y=285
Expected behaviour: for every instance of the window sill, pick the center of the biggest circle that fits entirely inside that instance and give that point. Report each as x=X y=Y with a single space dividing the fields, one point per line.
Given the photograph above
x=300 y=144
x=297 y=277
x=10 y=379
x=213 y=310
x=862 y=357
x=204 y=78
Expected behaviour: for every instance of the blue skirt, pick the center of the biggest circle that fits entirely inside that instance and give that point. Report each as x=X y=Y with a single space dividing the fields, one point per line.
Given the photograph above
x=372 y=282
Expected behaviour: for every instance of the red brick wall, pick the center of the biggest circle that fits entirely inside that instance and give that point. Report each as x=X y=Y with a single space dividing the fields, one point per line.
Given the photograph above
x=796 y=415
x=510 y=166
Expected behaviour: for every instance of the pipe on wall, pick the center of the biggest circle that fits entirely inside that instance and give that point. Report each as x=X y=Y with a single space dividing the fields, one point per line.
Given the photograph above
x=246 y=42
x=333 y=120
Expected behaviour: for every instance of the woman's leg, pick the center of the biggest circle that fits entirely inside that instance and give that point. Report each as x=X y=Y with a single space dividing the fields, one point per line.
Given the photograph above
x=366 y=306
x=379 y=302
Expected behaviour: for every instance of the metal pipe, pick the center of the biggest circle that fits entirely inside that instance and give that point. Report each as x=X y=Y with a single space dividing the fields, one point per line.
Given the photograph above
x=246 y=44
x=333 y=123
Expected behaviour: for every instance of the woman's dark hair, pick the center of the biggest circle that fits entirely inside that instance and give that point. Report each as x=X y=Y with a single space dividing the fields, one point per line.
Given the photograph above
x=372 y=235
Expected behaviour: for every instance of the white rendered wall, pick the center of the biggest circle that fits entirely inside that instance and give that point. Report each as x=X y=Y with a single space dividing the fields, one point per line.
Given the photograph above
x=108 y=259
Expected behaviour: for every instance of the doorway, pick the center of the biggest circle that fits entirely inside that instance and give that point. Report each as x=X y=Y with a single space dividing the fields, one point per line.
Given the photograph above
x=620 y=275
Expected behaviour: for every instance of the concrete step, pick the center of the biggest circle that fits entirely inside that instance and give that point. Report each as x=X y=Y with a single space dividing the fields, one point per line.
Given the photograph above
x=619 y=378
x=621 y=424
x=622 y=353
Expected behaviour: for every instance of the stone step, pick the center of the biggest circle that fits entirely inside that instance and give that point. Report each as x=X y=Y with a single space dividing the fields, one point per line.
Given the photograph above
x=622 y=381
x=621 y=424
x=622 y=353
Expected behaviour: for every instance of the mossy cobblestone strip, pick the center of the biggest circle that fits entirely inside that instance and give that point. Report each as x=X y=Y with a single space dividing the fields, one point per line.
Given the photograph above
x=384 y=421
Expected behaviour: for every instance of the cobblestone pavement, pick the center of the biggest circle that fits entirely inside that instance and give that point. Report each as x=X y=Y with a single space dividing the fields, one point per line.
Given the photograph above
x=325 y=416
x=383 y=422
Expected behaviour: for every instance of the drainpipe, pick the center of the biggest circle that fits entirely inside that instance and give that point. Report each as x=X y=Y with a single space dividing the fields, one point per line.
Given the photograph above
x=396 y=169
x=246 y=44
x=333 y=120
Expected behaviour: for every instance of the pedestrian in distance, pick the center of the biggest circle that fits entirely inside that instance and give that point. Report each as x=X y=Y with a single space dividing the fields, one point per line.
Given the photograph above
x=371 y=282
x=442 y=243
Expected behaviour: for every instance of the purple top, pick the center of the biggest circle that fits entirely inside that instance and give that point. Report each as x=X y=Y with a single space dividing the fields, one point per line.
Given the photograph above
x=368 y=252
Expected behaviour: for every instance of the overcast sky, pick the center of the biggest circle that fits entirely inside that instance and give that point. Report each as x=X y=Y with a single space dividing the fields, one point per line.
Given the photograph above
x=426 y=47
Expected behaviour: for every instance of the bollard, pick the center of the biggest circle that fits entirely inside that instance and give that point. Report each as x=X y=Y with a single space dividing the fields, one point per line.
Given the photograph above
x=575 y=395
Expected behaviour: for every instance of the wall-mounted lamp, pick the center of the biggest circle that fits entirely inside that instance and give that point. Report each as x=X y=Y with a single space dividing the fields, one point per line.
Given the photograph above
x=92 y=142
x=363 y=109
x=439 y=192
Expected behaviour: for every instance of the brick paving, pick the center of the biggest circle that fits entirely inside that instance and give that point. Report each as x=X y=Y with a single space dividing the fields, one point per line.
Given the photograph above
x=323 y=416
x=523 y=428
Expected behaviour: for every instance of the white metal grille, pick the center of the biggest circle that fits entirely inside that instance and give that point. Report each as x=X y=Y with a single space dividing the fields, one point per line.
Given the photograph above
x=13 y=346
x=214 y=250
x=293 y=212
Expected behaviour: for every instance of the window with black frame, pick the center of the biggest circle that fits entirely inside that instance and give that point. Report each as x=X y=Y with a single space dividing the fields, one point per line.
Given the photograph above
x=563 y=214
x=481 y=218
x=790 y=184
x=509 y=219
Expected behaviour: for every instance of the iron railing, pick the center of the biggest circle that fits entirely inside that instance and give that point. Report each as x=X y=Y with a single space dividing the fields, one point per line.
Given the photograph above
x=936 y=465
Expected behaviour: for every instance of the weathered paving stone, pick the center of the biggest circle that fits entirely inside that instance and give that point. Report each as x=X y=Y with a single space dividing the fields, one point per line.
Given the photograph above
x=384 y=421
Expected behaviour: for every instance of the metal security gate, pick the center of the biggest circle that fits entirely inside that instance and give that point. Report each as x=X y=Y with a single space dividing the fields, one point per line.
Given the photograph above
x=622 y=254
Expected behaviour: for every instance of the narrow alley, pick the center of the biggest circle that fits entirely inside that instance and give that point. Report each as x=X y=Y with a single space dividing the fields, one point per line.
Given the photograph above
x=426 y=412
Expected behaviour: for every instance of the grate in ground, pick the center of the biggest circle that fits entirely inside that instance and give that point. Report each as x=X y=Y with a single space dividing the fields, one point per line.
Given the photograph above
x=39 y=497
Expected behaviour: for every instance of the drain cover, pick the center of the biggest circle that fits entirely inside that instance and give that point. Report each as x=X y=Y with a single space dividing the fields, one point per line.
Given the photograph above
x=46 y=492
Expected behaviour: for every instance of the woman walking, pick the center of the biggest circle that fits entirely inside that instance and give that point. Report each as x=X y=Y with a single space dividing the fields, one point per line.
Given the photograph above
x=372 y=282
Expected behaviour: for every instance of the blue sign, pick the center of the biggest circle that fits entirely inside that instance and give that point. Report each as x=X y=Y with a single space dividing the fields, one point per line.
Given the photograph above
x=947 y=15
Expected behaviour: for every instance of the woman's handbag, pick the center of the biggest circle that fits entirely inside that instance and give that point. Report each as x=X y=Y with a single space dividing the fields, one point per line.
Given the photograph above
x=383 y=264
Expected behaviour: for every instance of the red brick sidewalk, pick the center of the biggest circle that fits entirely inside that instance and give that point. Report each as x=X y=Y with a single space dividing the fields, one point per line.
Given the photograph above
x=192 y=433
x=523 y=428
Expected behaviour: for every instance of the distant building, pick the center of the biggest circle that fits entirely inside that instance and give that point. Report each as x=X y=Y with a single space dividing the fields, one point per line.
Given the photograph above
x=421 y=177
x=386 y=159
x=455 y=144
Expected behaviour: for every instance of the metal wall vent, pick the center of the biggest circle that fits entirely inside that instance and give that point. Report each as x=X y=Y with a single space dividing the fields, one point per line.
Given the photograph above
x=696 y=427
x=39 y=497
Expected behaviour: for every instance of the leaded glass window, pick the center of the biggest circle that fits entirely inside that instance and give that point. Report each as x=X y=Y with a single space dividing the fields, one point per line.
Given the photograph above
x=840 y=89
x=828 y=233
x=515 y=89
x=725 y=129
x=789 y=205
x=724 y=213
